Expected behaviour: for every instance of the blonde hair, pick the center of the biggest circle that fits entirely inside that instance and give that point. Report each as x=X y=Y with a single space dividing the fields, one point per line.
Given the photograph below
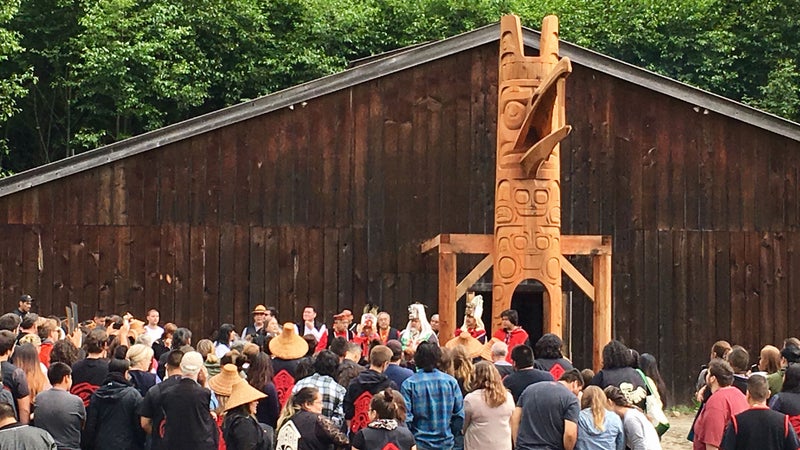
x=595 y=399
x=221 y=401
x=139 y=353
x=488 y=378
x=462 y=365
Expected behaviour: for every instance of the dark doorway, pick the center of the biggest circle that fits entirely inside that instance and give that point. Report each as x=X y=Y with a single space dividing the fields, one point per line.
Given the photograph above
x=528 y=301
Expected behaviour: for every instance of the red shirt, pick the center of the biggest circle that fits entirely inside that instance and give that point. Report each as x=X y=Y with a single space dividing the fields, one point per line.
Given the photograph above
x=717 y=412
x=512 y=338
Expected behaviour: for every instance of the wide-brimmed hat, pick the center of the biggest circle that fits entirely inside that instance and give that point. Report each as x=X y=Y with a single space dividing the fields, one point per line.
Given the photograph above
x=473 y=346
x=260 y=309
x=288 y=344
x=242 y=394
x=486 y=351
x=346 y=314
x=223 y=382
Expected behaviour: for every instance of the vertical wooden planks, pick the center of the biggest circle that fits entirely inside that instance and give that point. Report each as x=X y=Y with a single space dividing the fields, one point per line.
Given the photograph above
x=105 y=260
x=737 y=296
x=241 y=288
x=227 y=280
x=330 y=264
x=180 y=279
x=781 y=288
x=212 y=269
x=666 y=308
x=722 y=282
x=316 y=274
x=271 y=267
x=137 y=246
x=256 y=268
x=767 y=329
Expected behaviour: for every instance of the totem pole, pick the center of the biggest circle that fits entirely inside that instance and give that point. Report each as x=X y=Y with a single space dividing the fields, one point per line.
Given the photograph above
x=531 y=123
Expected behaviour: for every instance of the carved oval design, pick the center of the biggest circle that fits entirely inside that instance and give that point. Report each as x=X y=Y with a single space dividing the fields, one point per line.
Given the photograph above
x=553 y=268
x=504 y=191
x=541 y=196
x=520 y=242
x=522 y=196
x=507 y=267
x=542 y=242
x=514 y=115
x=504 y=214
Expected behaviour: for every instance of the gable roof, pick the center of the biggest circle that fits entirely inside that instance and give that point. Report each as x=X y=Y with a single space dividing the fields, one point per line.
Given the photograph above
x=376 y=67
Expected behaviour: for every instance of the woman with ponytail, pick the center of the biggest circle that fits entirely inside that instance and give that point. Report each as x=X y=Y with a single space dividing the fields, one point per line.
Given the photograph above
x=487 y=410
x=598 y=428
x=302 y=425
x=387 y=414
x=639 y=432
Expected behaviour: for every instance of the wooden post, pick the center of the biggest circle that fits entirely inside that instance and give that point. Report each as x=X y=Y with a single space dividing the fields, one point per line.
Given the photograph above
x=601 y=268
x=447 y=295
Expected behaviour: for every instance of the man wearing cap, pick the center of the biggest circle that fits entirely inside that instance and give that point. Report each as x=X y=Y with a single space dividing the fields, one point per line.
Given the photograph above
x=260 y=316
x=25 y=303
x=340 y=323
x=188 y=423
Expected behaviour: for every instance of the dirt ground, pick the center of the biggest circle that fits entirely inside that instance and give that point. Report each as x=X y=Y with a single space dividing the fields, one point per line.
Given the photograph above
x=675 y=437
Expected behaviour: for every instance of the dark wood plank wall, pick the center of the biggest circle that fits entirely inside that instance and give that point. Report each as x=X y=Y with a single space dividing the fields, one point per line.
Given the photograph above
x=326 y=204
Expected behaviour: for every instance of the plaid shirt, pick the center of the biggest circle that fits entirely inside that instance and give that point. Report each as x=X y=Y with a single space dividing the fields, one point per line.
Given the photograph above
x=435 y=409
x=332 y=395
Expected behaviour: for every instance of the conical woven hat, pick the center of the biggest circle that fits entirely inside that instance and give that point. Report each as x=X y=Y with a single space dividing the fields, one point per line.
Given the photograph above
x=243 y=394
x=223 y=382
x=288 y=344
x=473 y=346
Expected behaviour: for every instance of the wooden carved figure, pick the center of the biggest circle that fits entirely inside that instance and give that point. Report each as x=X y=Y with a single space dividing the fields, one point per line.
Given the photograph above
x=531 y=123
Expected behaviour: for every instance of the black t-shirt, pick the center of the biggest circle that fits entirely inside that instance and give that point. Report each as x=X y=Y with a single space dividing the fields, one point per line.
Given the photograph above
x=188 y=423
x=759 y=428
x=379 y=439
x=150 y=407
x=519 y=380
x=87 y=376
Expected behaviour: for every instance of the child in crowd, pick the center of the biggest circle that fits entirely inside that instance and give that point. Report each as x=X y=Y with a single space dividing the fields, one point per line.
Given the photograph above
x=387 y=414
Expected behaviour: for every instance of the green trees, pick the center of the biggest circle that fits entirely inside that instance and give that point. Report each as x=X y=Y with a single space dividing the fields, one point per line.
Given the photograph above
x=77 y=74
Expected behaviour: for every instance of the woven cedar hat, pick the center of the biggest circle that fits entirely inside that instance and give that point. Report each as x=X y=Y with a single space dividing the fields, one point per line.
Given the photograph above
x=473 y=346
x=223 y=382
x=486 y=351
x=242 y=394
x=260 y=309
x=288 y=344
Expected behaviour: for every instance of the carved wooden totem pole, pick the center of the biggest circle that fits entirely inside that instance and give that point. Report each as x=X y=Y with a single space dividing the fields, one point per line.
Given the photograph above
x=531 y=123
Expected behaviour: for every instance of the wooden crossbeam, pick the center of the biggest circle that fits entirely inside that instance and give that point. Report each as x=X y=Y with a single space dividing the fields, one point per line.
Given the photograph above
x=475 y=274
x=585 y=245
x=577 y=277
x=472 y=244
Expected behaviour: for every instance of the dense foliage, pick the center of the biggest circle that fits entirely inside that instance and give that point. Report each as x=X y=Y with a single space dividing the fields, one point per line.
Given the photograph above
x=77 y=74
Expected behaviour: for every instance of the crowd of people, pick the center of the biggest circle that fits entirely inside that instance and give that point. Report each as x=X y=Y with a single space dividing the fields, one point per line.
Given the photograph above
x=119 y=383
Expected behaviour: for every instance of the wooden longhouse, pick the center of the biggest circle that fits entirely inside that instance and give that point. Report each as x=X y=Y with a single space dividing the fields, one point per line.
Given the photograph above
x=321 y=194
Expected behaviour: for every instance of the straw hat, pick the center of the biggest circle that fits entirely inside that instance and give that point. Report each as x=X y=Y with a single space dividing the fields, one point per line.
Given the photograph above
x=223 y=382
x=288 y=344
x=242 y=394
x=260 y=309
x=473 y=346
x=486 y=351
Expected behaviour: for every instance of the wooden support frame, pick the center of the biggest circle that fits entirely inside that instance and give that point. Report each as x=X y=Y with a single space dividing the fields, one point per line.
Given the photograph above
x=450 y=290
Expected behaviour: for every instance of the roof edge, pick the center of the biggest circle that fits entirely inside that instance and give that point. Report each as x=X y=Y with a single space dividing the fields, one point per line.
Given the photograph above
x=394 y=61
